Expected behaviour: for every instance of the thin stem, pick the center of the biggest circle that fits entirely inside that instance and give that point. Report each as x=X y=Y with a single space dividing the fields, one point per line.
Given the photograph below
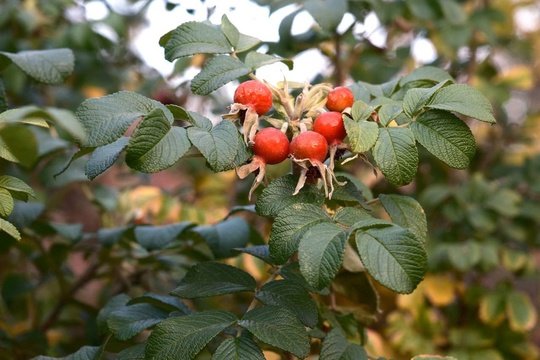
x=373 y=201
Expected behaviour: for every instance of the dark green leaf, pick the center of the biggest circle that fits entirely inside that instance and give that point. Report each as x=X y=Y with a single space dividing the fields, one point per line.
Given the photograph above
x=48 y=66
x=20 y=144
x=3 y=98
x=348 y=216
x=327 y=13
x=230 y=31
x=406 y=212
x=193 y=37
x=25 y=214
x=362 y=134
x=361 y=111
x=336 y=347
x=104 y=157
x=217 y=72
x=389 y=112
x=393 y=256
x=279 y=194
x=293 y=297
x=168 y=303
x=238 y=348
x=396 y=155
x=117 y=302
x=184 y=337
x=246 y=42
x=256 y=60
x=445 y=136
x=213 y=278
x=110 y=236
x=320 y=253
x=135 y=352
x=277 y=326
x=291 y=271
x=259 y=251
x=159 y=237
x=131 y=320
x=225 y=236
x=415 y=99
x=348 y=192
x=453 y=12
x=434 y=74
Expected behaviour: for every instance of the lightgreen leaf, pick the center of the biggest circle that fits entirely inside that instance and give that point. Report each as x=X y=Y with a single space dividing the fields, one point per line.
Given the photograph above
x=396 y=155
x=277 y=326
x=17 y=186
x=155 y=144
x=393 y=256
x=48 y=66
x=107 y=118
x=388 y=112
x=336 y=347
x=464 y=100
x=445 y=136
x=289 y=227
x=279 y=194
x=327 y=13
x=521 y=312
x=184 y=337
x=159 y=237
x=293 y=297
x=217 y=72
x=453 y=12
x=238 y=348
x=256 y=60
x=246 y=42
x=193 y=37
x=415 y=99
x=219 y=146
x=19 y=142
x=213 y=278
x=405 y=211
x=320 y=253
x=361 y=111
x=6 y=202
x=9 y=229
x=131 y=320
x=104 y=157
x=362 y=134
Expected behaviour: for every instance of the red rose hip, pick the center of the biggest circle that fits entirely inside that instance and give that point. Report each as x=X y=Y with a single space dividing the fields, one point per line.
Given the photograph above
x=271 y=145
x=330 y=125
x=309 y=145
x=255 y=95
x=339 y=99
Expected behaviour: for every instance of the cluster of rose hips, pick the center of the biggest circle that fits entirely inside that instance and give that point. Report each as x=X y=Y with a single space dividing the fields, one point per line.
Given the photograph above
x=316 y=133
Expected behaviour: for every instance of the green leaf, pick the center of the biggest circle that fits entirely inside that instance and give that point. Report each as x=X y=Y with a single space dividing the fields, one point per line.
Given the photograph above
x=361 y=111
x=415 y=99
x=213 y=278
x=336 y=347
x=277 y=326
x=327 y=13
x=504 y=201
x=431 y=73
x=320 y=253
x=66 y=120
x=291 y=271
x=20 y=143
x=348 y=192
x=491 y=309
x=259 y=251
x=167 y=303
x=155 y=144
x=396 y=155
x=406 y=212
x=389 y=112
x=433 y=357
x=445 y=136
x=348 y=216
x=117 y=302
x=15 y=185
x=3 y=98
x=225 y=236
x=279 y=194
x=464 y=100
x=6 y=202
x=135 y=352
x=521 y=312
x=230 y=31
x=107 y=118
x=110 y=236
x=289 y=227
x=48 y=66
x=104 y=157
x=217 y=72
x=246 y=42
x=193 y=37
x=131 y=320
x=219 y=146
x=453 y=12
x=362 y=134
x=159 y=237
x=238 y=348
x=256 y=60
x=393 y=256
x=184 y=337
x=9 y=229
x=291 y=296
x=464 y=256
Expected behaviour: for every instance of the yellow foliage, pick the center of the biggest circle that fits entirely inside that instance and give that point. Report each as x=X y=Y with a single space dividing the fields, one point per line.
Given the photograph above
x=439 y=289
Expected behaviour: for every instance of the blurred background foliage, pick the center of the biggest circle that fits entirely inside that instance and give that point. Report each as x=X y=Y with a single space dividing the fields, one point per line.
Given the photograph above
x=480 y=298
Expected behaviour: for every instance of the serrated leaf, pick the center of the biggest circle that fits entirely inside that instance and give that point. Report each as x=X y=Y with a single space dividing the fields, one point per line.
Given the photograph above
x=131 y=320
x=388 y=112
x=362 y=134
x=256 y=60
x=230 y=31
x=213 y=278
x=84 y=353
x=327 y=13
x=277 y=326
x=103 y=157
x=336 y=347
x=168 y=303
x=464 y=100
x=431 y=73
x=415 y=99
x=246 y=42
x=20 y=143
x=393 y=256
x=16 y=185
x=117 y=302
x=279 y=194
x=238 y=348
x=396 y=155
x=349 y=216
x=219 y=146
x=348 y=192
x=135 y=352
x=224 y=236
x=107 y=118
x=155 y=144
x=259 y=251
x=9 y=229
x=293 y=297
x=291 y=271
x=67 y=120
x=159 y=237
x=406 y=212
x=6 y=202
x=217 y=72
x=193 y=37
x=184 y=337
x=361 y=111
x=520 y=311
x=320 y=253
x=48 y=66
x=445 y=136
x=289 y=227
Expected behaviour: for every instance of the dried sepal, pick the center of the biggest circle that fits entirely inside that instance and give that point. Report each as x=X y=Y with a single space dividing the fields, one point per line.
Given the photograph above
x=257 y=166
x=247 y=117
